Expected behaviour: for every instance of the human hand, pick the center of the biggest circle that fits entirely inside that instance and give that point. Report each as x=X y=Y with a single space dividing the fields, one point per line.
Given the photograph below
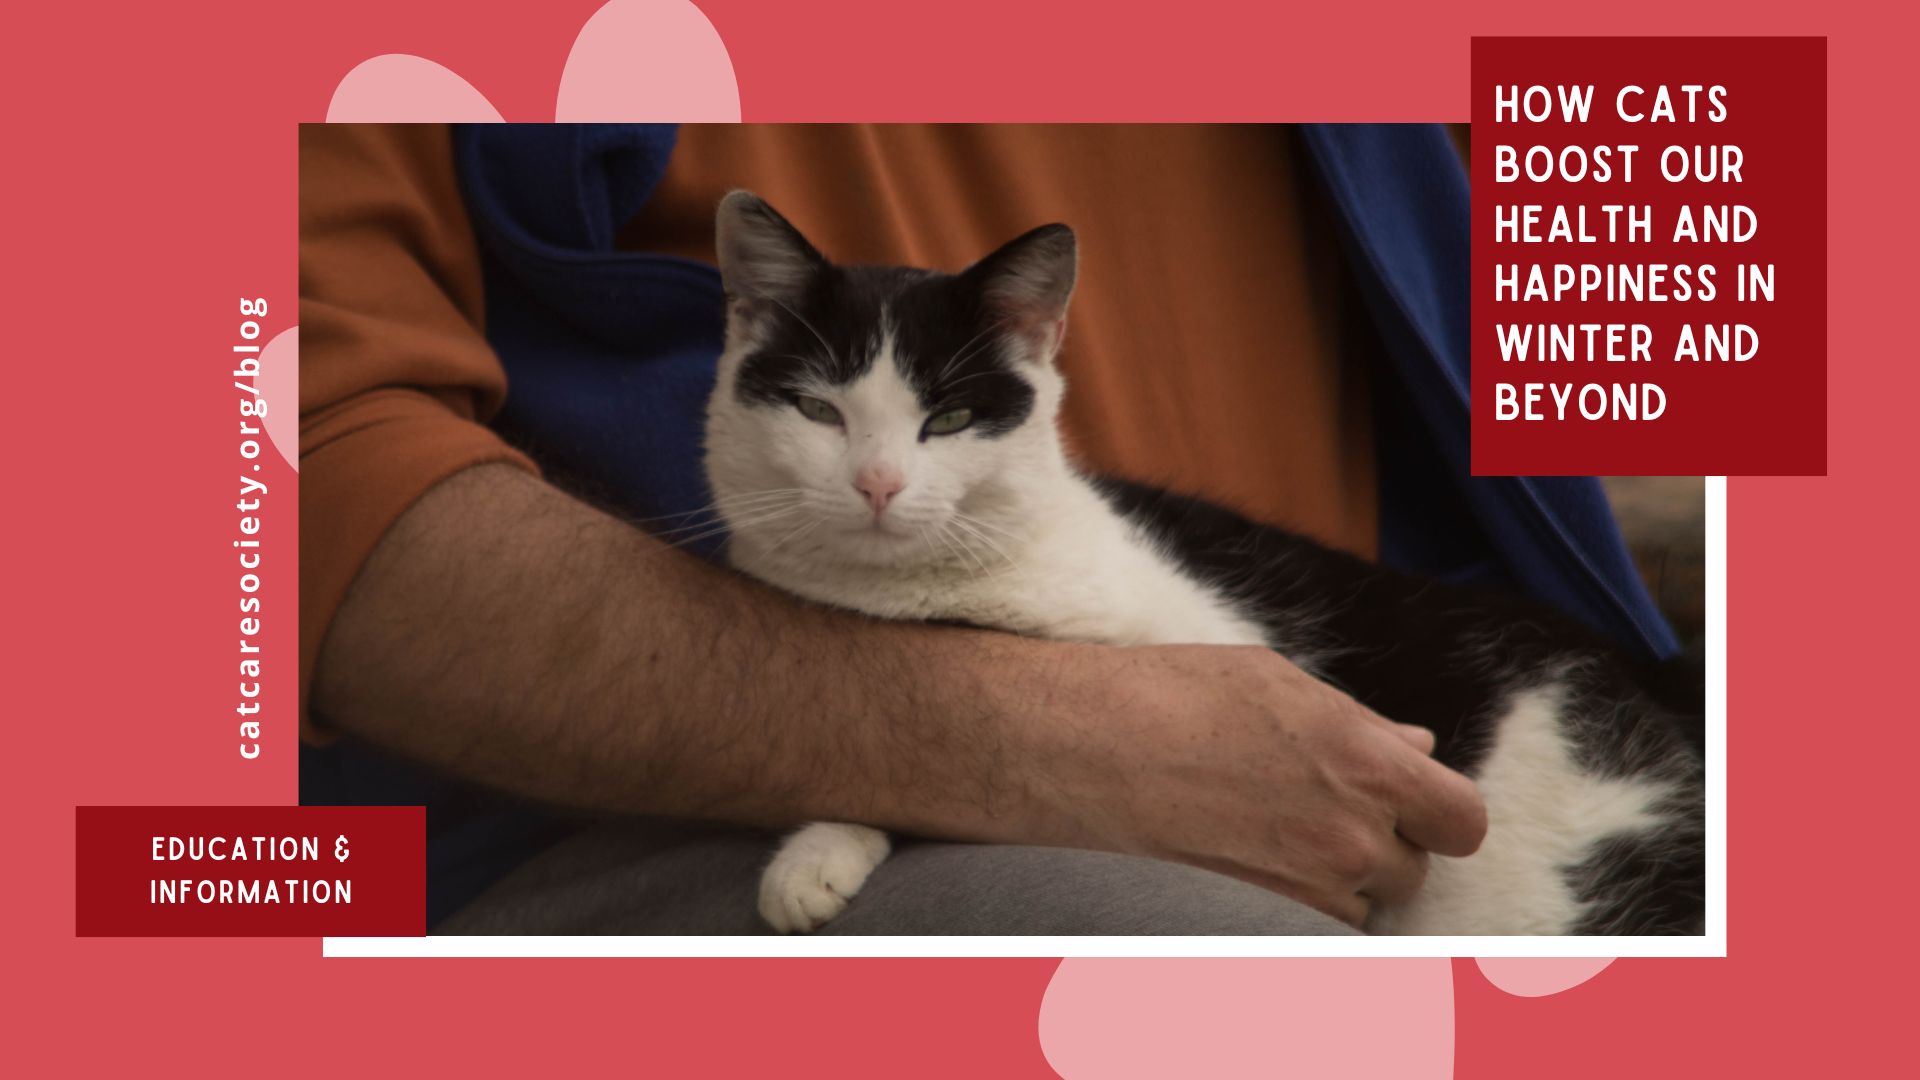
x=1235 y=760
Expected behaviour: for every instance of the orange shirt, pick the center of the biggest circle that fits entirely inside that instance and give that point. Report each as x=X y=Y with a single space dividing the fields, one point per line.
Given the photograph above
x=1203 y=349
x=1203 y=339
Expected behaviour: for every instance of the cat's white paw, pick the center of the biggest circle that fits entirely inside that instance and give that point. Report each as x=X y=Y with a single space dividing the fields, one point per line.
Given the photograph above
x=816 y=872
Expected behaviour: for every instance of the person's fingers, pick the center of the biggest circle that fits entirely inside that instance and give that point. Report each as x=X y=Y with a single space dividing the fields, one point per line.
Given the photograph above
x=1413 y=735
x=1401 y=872
x=1350 y=909
x=1441 y=810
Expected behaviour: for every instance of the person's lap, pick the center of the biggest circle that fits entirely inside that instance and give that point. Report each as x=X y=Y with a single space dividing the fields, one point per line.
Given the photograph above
x=673 y=878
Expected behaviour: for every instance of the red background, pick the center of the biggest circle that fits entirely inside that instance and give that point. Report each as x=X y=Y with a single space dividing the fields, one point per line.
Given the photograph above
x=150 y=182
x=1762 y=417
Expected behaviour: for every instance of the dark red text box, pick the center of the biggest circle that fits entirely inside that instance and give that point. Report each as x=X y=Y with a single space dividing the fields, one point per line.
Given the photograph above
x=1766 y=416
x=137 y=874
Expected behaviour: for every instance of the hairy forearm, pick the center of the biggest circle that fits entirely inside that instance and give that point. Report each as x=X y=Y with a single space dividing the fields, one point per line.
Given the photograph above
x=517 y=637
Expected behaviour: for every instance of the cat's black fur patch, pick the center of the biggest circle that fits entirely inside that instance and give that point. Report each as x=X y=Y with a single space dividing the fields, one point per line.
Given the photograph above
x=1649 y=883
x=945 y=342
x=951 y=343
x=1450 y=659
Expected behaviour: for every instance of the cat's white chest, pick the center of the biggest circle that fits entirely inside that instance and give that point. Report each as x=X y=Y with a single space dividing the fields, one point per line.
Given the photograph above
x=1127 y=597
x=1095 y=580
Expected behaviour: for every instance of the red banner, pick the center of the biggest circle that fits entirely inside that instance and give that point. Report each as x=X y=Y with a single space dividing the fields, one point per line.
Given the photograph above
x=250 y=871
x=1649 y=256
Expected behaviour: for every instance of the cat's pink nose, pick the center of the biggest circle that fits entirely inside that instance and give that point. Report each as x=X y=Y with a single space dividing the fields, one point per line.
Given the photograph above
x=879 y=483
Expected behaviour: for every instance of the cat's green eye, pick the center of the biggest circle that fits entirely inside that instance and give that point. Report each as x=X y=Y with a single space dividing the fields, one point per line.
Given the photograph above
x=949 y=422
x=816 y=410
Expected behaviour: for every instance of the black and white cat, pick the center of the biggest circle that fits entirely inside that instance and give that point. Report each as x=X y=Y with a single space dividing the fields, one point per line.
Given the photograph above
x=883 y=439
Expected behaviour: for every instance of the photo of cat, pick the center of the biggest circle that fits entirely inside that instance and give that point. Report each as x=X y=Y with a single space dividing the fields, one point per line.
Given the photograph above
x=882 y=439
x=966 y=529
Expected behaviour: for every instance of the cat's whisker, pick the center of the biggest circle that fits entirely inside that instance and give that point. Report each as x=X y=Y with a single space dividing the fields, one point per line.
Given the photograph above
x=954 y=360
x=957 y=359
x=697 y=537
x=792 y=535
x=962 y=552
x=756 y=496
x=808 y=536
x=722 y=523
x=804 y=528
x=642 y=521
x=1017 y=540
x=811 y=361
x=976 y=351
x=964 y=379
x=962 y=524
x=752 y=523
x=961 y=544
x=985 y=524
x=744 y=508
x=764 y=515
x=739 y=501
x=796 y=317
x=939 y=536
x=1007 y=563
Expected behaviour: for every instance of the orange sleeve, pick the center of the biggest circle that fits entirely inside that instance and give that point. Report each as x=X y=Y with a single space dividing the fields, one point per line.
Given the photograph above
x=397 y=381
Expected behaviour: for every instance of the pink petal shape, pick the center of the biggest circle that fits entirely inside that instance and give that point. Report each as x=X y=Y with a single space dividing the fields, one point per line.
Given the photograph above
x=400 y=88
x=648 y=60
x=1120 y=1018
x=279 y=386
x=1538 y=976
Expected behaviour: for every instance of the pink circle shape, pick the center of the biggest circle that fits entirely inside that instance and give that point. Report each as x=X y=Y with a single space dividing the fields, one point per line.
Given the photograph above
x=1539 y=976
x=400 y=88
x=279 y=387
x=648 y=60
x=1120 y=1018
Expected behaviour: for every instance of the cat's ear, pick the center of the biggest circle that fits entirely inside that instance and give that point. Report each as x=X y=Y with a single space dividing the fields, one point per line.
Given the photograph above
x=1027 y=284
x=761 y=255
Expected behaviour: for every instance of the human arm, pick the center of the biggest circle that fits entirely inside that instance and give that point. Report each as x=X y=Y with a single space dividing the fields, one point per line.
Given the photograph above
x=512 y=635
x=508 y=633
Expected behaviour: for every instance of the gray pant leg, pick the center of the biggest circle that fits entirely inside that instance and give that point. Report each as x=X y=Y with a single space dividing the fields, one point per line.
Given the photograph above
x=672 y=878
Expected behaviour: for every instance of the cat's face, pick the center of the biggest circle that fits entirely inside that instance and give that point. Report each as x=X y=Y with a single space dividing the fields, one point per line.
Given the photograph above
x=881 y=415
